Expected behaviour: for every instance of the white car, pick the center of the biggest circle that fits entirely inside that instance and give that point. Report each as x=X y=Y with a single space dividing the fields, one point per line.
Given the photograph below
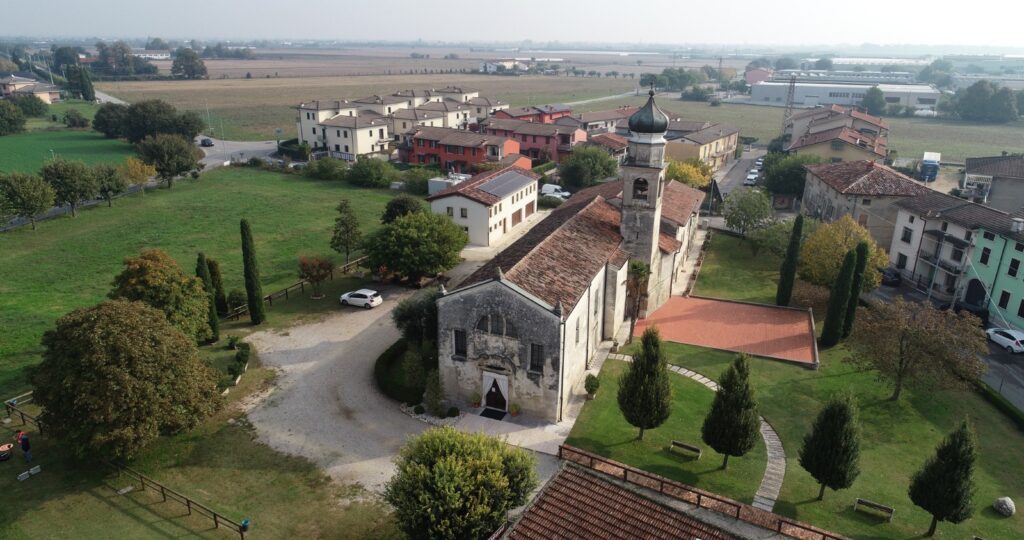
x=363 y=297
x=751 y=180
x=1011 y=340
x=554 y=190
x=754 y=171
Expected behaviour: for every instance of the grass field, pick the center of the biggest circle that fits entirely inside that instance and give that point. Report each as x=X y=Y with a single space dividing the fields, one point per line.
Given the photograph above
x=70 y=262
x=729 y=271
x=601 y=429
x=251 y=109
x=218 y=464
x=910 y=137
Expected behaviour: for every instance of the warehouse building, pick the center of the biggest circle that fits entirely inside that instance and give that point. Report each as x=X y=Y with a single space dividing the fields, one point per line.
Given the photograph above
x=918 y=96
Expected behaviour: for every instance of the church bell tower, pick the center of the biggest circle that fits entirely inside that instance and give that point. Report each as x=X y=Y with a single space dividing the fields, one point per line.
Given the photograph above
x=643 y=183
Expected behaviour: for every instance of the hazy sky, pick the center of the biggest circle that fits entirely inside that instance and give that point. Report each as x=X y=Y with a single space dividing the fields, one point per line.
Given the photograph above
x=786 y=22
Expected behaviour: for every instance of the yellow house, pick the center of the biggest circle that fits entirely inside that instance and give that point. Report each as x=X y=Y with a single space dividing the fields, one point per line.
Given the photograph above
x=22 y=86
x=714 y=145
x=841 y=144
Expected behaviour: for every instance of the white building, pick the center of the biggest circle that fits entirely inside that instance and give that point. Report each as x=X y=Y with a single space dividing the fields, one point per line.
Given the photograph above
x=918 y=96
x=489 y=205
x=349 y=137
x=840 y=76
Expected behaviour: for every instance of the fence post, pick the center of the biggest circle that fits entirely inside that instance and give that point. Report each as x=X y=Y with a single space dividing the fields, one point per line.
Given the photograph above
x=188 y=504
x=216 y=523
x=162 y=494
x=286 y=294
x=22 y=418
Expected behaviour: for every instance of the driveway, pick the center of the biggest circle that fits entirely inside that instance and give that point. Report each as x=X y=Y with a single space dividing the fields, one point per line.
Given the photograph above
x=223 y=151
x=326 y=406
x=732 y=178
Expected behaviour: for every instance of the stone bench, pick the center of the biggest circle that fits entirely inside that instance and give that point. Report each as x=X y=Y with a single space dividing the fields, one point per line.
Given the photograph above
x=686 y=446
x=888 y=510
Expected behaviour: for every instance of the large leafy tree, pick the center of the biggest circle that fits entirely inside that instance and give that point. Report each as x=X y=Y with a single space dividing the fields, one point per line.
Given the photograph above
x=874 y=101
x=787 y=175
x=251 y=269
x=856 y=286
x=72 y=182
x=401 y=205
x=109 y=182
x=30 y=105
x=823 y=253
x=188 y=65
x=687 y=173
x=111 y=120
x=586 y=166
x=27 y=195
x=645 y=394
x=831 y=451
x=345 y=236
x=944 y=487
x=451 y=485
x=732 y=426
x=913 y=343
x=203 y=273
x=170 y=155
x=155 y=279
x=787 y=272
x=12 y=120
x=315 y=269
x=832 y=330
x=416 y=316
x=136 y=172
x=416 y=245
x=148 y=118
x=116 y=376
x=747 y=210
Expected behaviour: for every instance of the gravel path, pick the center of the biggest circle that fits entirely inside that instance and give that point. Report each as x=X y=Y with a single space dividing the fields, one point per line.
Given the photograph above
x=326 y=406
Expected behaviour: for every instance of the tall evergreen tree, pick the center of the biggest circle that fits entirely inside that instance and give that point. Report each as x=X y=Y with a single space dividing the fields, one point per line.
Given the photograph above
x=203 y=273
x=253 y=289
x=944 y=487
x=645 y=395
x=732 y=425
x=85 y=84
x=346 y=235
x=863 y=253
x=837 y=301
x=831 y=451
x=220 y=299
x=787 y=273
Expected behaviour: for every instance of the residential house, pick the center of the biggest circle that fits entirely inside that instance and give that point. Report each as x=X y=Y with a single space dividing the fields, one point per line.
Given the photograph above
x=538 y=141
x=841 y=144
x=524 y=328
x=349 y=137
x=714 y=145
x=489 y=205
x=994 y=281
x=461 y=94
x=863 y=190
x=612 y=143
x=457 y=114
x=483 y=107
x=384 y=105
x=543 y=114
x=502 y=66
x=418 y=97
x=598 y=121
x=14 y=85
x=312 y=113
x=821 y=119
x=454 y=150
x=757 y=75
x=997 y=181
x=407 y=120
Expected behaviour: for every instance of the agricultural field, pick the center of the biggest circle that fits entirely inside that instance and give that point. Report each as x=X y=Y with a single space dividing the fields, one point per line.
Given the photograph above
x=70 y=262
x=910 y=137
x=242 y=109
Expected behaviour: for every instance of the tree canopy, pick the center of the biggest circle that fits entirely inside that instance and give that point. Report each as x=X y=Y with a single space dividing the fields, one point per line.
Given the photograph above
x=746 y=210
x=984 y=101
x=645 y=394
x=345 y=235
x=116 y=376
x=689 y=173
x=12 y=120
x=586 y=166
x=369 y=172
x=416 y=316
x=401 y=205
x=786 y=174
x=732 y=426
x=874 y=101
x=945 y=486
x=170 y=155
x=72 y=182
x=27 y=195
x=823 y=252
x=188 y=65
x=831 y=451
x=415 y=245
x=109 y=181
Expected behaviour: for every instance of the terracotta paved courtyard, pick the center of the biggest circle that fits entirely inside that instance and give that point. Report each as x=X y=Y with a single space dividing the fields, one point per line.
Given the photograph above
x=762 y=330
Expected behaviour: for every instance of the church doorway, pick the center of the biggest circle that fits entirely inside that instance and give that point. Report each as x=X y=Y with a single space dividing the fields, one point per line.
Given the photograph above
x=495 y=391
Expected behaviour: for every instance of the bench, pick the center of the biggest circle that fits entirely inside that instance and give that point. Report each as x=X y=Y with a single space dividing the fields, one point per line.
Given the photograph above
x=875 y=506
x=686 y=446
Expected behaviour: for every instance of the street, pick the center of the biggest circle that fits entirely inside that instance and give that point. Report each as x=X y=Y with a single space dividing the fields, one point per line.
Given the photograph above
x=732 y=176
x=223 y=151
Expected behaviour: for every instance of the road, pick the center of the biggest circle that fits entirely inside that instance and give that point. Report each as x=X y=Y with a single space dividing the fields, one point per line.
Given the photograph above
x=223 y=151
x=104 y=97
x=1006 y=374
x=732 y=177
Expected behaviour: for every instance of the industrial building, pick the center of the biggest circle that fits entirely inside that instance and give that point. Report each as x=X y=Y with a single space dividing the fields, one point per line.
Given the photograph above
x=918 y=96
x=842 y=76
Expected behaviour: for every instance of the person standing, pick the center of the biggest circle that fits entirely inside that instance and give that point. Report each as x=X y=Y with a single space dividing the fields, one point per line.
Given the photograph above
x=26 y=447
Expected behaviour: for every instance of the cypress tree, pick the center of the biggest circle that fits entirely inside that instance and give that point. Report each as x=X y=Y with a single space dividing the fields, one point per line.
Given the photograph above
x=831 y=451
x=732 y=425
x=863 y=253
x=203 y=273
x=944 y=487
x=645 y=395
x=787 y=273
x=837 y=301
x=85 y=84
x=253 y=289
x=220 y=299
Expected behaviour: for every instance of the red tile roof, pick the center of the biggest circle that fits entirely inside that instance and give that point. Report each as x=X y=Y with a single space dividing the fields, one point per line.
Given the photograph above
x=836 y=110
x=680 y=202
x=611 y=141
x=875 y=145
x=578 y=504
x=473 y=188
x=865 y=178
x=522 y=127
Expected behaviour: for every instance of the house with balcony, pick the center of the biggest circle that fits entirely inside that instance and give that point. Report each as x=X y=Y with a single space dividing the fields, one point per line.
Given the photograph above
x=489 y=205
x=456 y=114
x=537 y=141
x=418 y=97
x=312 y=113
x=350 y=137
x=383 y=105
x=997 y=181
x=542 y=114
x=994 y=279
x=820 y=119
x=454 y=150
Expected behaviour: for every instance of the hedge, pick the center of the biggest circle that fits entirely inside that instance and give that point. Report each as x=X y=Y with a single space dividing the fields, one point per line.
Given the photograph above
x=541 y=169
x=387 y=372
x=1001 y=403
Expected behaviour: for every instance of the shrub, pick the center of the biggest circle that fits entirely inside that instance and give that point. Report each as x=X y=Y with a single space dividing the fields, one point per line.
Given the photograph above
x=326 y=169
x=30 y=105
x=233 y=342
x=75 y=119
x=255 y=162
x=543 y=168
x=475 y=398
x=236 y=298
x=11 y=119
x=369 y=172
x=418 y=409
x=549 y=202
x=433 y=396
x=453 y=412
x=514 y=408
x=591 y=384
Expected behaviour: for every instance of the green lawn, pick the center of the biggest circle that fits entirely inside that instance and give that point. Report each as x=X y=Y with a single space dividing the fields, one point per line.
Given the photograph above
x=219 y=464
x=70 y=262
x=601 y=429
x=730 y=271
x=26 y=152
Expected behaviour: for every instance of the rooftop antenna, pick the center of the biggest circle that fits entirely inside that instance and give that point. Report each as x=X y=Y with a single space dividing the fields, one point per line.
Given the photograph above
x=790 y=98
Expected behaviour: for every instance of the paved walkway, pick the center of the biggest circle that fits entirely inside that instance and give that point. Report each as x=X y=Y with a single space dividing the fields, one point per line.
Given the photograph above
x=681 y=285
x=775 y=470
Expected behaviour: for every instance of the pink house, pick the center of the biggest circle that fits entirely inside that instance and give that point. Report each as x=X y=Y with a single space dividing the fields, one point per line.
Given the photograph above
x=757 y=75
x=537 y=141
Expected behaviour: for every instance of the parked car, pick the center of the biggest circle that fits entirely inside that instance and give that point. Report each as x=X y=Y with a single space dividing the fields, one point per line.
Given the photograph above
x=1011 y=340
x=978 y=312
x=363 y=297
x=755 y=171
x=206 y=143
x=750 y=180
x=891 y=277
x=554 y=190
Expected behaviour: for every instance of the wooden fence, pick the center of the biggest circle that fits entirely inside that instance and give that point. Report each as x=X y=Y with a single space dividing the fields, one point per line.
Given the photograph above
x=286 y=292
x=191 y=504
x=11 y=406
x=695 y=496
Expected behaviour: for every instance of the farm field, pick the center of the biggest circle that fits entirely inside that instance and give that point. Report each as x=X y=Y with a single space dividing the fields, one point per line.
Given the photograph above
x=251 y=109
x=910 y=137
x=70 y=262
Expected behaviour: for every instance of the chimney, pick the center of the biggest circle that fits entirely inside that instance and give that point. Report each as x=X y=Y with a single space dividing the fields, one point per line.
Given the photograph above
x=1018 y=225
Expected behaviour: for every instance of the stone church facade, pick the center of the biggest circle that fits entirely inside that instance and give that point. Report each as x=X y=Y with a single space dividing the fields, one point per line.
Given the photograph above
x=524 y=327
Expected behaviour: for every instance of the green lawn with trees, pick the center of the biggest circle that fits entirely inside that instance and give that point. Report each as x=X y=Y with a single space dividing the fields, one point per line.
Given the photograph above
x=26 y=152
x=731 y=271
x=71 y=262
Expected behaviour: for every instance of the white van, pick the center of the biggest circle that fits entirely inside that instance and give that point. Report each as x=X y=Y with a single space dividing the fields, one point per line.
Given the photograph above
x=554 y=190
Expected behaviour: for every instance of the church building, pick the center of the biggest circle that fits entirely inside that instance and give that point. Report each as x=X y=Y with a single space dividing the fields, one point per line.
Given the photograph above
x=524 y=327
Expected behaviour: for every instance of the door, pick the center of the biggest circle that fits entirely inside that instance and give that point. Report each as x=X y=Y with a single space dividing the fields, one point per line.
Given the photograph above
x=975 y=293
x=495 y=391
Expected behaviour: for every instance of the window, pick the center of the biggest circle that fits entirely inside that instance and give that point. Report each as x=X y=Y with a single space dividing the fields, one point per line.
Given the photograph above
x=640 y=188
x=901 y=261
x=908 y=233
x=346 y=148
x=314 y=131
x=597 y=301
x=968 y=235
x=497 y=325
x=1018 y=247
x=1020 y=309
x=536 y=358
x=892 y=99
x=988 y=236
x=926 y=101
x=337 y=133
x=381 y=133
x=451 y=211
x=344 y=133
x=1014 y=267
x=958 y=254
x=911 y=220
x=463 y=212
x=577 y=330
x=459 y=337
x=866 y=202
x=944 y=226
x=1004 y=299
x=837 y=144
x=985 y=254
